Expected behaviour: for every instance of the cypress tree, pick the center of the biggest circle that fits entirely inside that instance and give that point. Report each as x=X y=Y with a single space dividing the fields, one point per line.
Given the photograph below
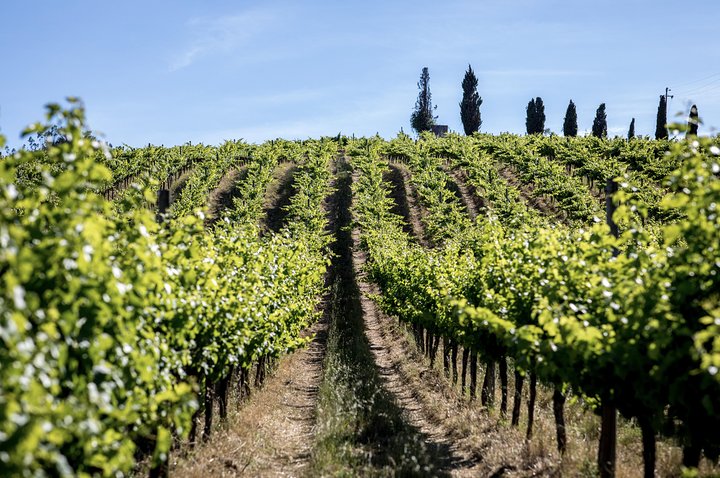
x=531 y=117
x=470 y=104
x=535 y=119
x=631 y=130
x=422 y=118
x=693 y=122
x=660 y=128
x=570 y=127
x=599 y=127
x=539 y=116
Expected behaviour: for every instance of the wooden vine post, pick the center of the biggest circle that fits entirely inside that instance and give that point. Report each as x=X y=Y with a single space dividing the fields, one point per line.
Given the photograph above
x=163 y=203
x=517 y=399
x=608 y=429
x=610 y=190
x=503 y=386
x=558 y=411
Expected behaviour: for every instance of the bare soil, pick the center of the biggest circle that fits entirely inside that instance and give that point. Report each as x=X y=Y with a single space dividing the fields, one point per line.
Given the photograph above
x=364 y=430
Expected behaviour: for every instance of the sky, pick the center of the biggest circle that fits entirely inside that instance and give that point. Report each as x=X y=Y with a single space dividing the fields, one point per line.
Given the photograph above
x=168 y=72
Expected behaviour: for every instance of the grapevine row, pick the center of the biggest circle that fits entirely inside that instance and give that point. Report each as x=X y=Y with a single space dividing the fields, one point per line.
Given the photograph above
x=115 y=330
x=567 y=308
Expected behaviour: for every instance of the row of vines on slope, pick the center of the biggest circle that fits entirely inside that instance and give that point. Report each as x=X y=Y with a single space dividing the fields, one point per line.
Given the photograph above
x=112 y=327
x=572 y=172
x=566 y=307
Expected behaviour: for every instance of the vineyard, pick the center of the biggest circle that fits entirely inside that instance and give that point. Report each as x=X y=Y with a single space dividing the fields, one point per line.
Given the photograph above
x=151 y=296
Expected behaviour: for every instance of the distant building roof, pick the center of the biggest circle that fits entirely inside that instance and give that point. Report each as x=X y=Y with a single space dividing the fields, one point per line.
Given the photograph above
x=440 y=130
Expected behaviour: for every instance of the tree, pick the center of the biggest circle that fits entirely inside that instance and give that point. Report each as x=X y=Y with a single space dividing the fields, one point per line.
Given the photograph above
x=539 y=116
x=530 y=118
x=422 y=118
x=535 y=119
x=599 y=127
x=570 y=127
x=693 y=122
x=631 y=130
x=52 y=136
x=660 y=128
x=470 y=104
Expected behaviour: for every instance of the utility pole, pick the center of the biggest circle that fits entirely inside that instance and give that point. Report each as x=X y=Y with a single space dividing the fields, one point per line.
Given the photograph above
x=667 y=104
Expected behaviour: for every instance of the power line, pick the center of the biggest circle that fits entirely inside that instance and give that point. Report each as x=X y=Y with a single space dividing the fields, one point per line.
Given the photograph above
x=709 y=96
x=701 y=86
x=702 y=90
x=692 y=82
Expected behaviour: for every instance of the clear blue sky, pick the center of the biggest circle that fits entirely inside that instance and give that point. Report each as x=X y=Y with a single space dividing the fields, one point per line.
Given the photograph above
x=203 y=71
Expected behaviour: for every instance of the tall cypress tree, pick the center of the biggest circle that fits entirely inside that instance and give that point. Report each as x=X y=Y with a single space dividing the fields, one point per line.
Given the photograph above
x=660 y=128
x=570 y=127
x=599 y=127
x=470 y=104
x=535 y=119
x=531 y=117
x=631 y=130
x=539 y=116
x=422 y=118
x=693 y=122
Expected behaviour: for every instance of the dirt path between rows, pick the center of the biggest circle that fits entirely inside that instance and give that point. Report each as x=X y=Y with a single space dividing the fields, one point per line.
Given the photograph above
x=391 y=352
x=271 y=434
x=274 y=431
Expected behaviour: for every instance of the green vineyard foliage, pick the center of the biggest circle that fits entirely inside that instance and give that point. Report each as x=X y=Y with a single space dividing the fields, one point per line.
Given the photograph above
x=113 y=326
x=629 y=321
